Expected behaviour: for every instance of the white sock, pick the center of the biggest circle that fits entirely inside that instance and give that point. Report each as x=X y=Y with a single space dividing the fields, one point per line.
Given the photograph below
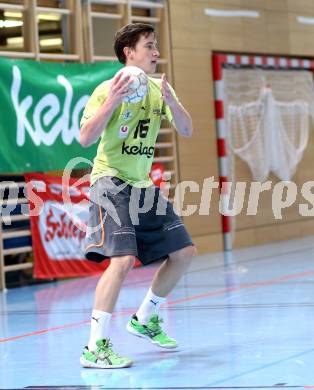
x=99 y=328
x=150 y=306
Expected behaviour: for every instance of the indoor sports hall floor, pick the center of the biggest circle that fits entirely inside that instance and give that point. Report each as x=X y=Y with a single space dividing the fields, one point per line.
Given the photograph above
x=246 y=325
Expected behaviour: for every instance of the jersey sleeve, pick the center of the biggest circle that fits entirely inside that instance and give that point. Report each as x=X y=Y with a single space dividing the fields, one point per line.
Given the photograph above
x=95 y=101
x=166 y=110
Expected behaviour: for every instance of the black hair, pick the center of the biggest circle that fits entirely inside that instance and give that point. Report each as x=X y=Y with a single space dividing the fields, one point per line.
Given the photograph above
x=128 y=36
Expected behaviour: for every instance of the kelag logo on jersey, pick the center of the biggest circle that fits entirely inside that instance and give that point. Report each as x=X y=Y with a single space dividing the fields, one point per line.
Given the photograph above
x=141 y=150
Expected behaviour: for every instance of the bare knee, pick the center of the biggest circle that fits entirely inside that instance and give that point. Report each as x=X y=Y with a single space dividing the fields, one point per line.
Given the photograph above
x=189 y=253
x=121 y=265
x=184 y=256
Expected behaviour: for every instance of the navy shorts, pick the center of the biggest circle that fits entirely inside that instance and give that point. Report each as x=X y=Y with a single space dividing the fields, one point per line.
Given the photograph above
x=125 y=220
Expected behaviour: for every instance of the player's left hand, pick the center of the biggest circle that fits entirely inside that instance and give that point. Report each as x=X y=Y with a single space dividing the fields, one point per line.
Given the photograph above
x=166 y=93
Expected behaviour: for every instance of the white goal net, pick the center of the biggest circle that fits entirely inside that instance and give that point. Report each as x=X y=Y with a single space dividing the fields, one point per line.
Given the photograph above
x=267 y=115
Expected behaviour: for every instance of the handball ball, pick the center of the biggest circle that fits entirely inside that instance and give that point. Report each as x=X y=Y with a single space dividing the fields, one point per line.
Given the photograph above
x=138 y=85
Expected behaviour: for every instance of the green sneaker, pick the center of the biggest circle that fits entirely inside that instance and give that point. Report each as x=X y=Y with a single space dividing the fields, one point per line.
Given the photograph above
x=103 y=357
x=151 y=331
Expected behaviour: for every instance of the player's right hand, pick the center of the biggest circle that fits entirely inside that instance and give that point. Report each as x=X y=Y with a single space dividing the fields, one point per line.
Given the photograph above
x=119 y=88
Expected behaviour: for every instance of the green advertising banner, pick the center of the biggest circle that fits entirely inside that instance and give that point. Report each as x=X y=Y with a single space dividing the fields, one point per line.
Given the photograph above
x=41 y=107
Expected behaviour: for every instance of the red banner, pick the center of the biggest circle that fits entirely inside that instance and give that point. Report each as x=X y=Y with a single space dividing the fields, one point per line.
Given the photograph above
x=58 y=215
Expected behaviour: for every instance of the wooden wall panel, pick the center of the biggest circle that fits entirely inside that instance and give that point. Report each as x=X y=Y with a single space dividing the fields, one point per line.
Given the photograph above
x=275 y=5
x=194 y=37
x=207 y=243
x=277 y=30
x=301 y=43
x=301 y=6
x=200 y=150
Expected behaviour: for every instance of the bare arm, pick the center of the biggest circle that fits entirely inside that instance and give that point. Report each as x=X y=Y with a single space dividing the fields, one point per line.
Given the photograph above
x=181 y=118
x=93 y=127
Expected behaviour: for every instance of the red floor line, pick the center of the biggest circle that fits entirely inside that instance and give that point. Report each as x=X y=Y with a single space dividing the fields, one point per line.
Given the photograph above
x=44 y=331
x=186 y=299
x=242 y=287
x=60 y=327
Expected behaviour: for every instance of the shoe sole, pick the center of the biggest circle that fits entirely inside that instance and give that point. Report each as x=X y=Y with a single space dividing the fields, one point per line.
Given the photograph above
x=143 y=336
x=87 y=364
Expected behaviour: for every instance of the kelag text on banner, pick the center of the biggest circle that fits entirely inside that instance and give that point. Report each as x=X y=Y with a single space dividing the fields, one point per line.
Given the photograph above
x=41 y=107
